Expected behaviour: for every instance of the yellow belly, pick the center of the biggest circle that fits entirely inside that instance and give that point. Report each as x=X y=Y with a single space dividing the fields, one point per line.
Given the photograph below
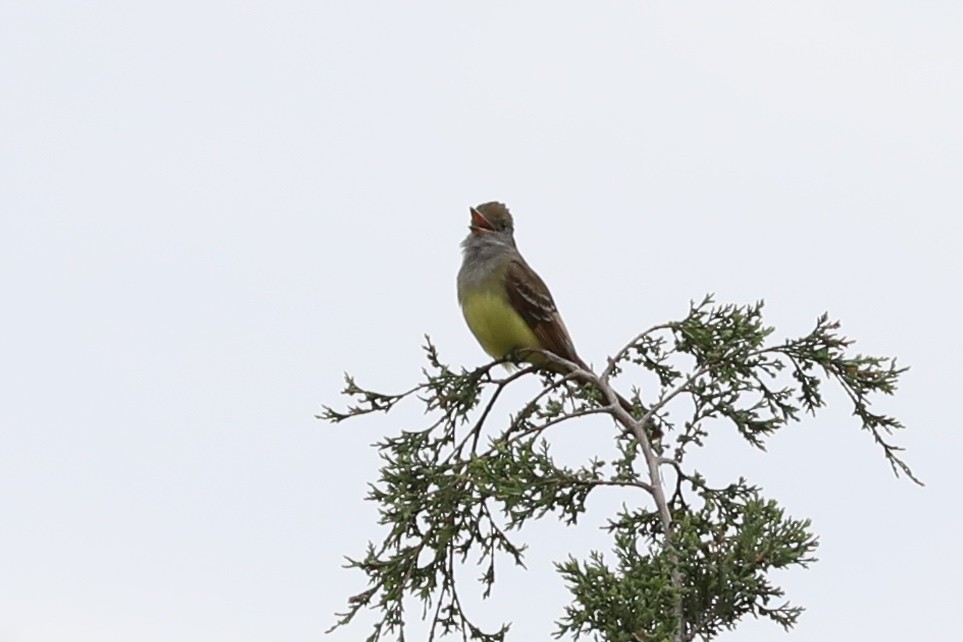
x=496 y=325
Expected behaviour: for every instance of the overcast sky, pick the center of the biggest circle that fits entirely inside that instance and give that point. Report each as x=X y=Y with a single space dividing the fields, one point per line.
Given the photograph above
x=210 y=210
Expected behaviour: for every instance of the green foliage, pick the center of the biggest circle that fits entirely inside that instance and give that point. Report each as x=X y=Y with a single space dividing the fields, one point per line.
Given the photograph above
x=686 y=564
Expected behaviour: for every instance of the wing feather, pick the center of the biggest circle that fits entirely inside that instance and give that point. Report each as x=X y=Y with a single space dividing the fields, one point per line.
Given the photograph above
x=532 y=300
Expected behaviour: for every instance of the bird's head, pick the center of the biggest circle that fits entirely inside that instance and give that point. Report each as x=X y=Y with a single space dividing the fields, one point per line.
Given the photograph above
x=491 y=219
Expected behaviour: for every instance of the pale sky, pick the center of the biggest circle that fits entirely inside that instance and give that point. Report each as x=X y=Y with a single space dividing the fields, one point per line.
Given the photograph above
x=210 y=210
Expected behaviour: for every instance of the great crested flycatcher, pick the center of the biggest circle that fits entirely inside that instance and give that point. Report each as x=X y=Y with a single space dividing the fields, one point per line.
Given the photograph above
x=507 y=306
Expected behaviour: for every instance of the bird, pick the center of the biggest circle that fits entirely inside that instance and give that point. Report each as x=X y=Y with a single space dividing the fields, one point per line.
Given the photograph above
x=506 y=305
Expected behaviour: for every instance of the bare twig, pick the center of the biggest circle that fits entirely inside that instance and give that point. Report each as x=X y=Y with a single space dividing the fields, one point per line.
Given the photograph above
x=656 y=485
x=628 y=346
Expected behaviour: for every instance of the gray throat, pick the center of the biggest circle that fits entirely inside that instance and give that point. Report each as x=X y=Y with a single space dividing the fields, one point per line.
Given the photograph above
x=482 y=255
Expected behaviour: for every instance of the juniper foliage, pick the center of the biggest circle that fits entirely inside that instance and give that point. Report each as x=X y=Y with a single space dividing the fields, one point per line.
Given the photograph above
x=455 y=493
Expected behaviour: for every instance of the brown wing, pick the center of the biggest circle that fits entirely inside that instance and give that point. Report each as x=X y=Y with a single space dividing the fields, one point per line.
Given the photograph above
x=531 y=299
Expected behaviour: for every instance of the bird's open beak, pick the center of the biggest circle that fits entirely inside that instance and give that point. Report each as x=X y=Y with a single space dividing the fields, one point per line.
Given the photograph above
x=479 y=223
